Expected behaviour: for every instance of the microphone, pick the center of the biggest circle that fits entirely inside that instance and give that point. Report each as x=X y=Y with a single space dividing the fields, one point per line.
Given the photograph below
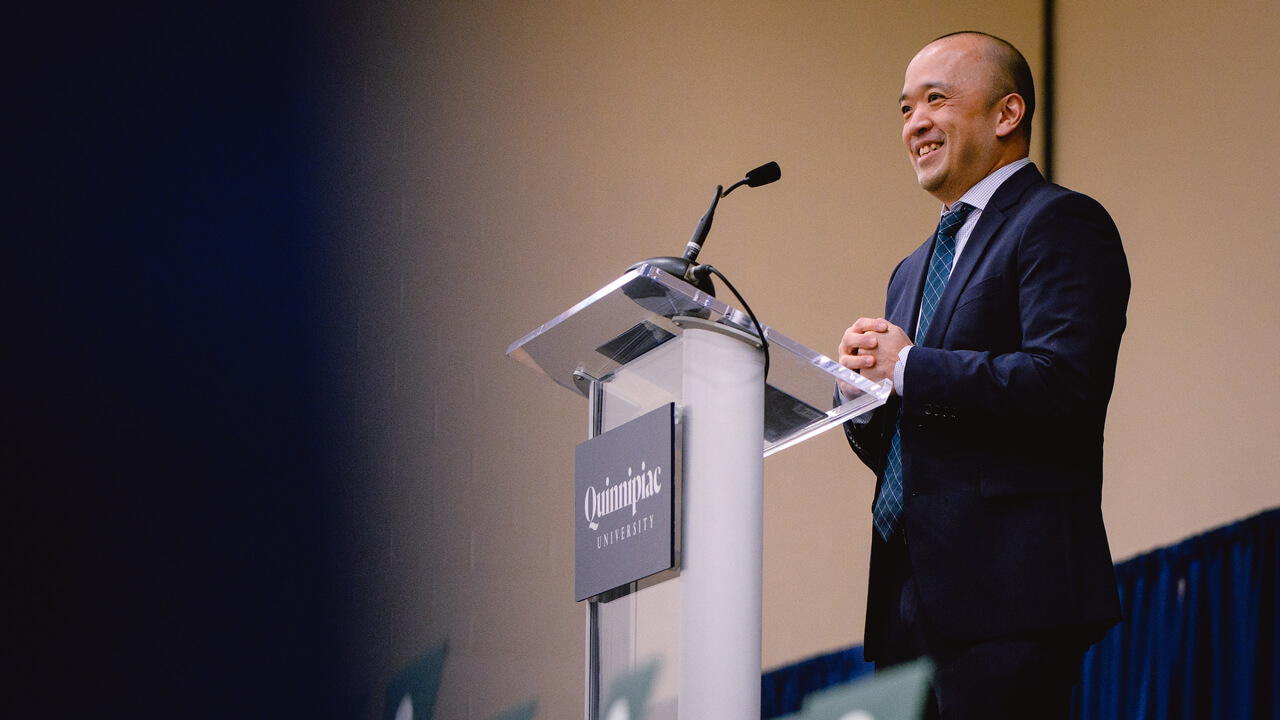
x=763 y=175
x=682 y=267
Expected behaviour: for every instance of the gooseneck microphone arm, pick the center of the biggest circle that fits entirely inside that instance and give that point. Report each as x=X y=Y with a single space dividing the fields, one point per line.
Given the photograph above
x=704 y=226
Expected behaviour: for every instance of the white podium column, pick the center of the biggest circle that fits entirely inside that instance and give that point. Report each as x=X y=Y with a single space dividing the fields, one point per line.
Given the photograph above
x=723 y=546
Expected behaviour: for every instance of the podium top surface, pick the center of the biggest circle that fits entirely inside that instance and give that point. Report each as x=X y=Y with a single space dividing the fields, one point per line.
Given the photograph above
x=646 y=307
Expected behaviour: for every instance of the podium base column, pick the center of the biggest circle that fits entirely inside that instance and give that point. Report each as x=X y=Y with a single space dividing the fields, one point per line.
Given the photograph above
x=723 y=526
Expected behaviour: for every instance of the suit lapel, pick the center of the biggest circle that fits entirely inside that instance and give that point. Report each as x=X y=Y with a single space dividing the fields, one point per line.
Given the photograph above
x=990 y=222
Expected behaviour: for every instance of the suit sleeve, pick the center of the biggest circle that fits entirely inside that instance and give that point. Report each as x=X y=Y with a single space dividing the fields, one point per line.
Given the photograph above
x=866 y=438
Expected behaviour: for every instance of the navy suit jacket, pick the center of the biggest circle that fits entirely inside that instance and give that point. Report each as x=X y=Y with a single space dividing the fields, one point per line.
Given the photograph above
x=1002 y=419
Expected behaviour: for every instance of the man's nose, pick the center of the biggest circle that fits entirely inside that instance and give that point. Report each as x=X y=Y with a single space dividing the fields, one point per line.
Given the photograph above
x=918 y=122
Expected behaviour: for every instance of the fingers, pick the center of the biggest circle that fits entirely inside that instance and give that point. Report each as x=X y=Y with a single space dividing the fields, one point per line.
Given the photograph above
x=860 y=336
x=866 y=340
x=858 y=362
x=865 y=325
x=854 y=341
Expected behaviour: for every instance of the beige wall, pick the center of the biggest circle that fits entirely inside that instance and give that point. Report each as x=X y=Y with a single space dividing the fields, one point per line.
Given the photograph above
x=1159 y=109
x=503 y=160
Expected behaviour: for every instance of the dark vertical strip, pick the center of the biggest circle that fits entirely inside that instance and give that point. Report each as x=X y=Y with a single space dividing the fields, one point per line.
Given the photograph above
x=170 y=505
x=595 y=397
x=1048 y=92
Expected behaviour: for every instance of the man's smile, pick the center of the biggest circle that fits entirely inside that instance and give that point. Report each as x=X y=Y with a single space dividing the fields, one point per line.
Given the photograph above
x=927 y=148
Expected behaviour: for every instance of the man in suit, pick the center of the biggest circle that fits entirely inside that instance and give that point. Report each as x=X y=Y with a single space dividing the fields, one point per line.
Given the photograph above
x=1000 y=335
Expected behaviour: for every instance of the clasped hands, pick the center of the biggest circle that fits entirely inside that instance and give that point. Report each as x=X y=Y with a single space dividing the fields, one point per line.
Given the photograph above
x=870 y=346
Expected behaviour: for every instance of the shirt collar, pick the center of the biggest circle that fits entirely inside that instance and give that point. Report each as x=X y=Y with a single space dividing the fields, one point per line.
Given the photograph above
x=979 y=195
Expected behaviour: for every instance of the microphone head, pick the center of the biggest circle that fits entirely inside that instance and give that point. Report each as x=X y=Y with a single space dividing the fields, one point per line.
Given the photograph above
x=764 y=175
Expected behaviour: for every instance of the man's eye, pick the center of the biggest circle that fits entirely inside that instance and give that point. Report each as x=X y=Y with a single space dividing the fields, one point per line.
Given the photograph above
x=906 y=109
x=934 y=96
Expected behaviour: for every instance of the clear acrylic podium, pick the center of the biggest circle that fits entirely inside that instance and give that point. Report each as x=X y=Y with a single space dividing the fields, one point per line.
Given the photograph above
x=648 y=339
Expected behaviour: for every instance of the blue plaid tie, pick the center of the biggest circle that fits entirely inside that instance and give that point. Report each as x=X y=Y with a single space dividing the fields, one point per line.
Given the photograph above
x=887 y=512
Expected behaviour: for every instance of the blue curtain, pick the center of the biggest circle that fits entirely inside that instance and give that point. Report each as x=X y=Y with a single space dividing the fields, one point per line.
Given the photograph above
x=1200 y=637
x=783 y=690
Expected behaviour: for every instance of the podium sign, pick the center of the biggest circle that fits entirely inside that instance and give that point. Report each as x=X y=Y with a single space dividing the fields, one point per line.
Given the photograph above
x=625 y=527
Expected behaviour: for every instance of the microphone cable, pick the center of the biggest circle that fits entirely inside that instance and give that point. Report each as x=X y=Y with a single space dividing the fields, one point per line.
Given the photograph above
x=703 y=271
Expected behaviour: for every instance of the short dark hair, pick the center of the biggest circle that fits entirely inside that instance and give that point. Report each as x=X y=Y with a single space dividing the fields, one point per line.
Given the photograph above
x=1014 y=74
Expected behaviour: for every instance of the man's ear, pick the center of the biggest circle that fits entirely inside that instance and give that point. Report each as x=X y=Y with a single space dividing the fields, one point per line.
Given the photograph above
x=1012 y=111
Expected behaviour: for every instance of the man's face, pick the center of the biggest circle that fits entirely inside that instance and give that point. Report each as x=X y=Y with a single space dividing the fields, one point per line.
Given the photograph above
x=948 y=120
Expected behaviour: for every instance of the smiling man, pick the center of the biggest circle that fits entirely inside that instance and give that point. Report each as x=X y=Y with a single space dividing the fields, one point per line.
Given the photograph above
x=1000 y=334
